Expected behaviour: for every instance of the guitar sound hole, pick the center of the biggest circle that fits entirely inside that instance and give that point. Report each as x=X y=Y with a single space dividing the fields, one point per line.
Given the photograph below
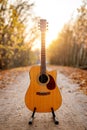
x=43 y=78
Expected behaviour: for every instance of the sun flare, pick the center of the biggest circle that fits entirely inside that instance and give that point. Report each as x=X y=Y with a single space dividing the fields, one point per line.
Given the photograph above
x=50 y=36
x=57 y=13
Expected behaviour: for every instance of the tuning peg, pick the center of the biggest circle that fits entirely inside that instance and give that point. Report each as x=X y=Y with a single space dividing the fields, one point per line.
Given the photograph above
x=47 y=26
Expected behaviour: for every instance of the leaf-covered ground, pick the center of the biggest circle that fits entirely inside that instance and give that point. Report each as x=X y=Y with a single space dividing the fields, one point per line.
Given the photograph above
x=78 y=76
x=72 y=114
x=8 y=77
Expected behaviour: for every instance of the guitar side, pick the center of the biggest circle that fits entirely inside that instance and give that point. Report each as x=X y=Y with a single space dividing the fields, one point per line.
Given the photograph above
x=39 y=96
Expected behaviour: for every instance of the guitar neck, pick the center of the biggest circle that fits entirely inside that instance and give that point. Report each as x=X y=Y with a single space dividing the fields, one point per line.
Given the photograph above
x=43 y=54
x=43 y=28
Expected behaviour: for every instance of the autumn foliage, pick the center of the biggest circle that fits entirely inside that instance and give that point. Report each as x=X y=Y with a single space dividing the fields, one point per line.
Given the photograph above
x=70 y=48
x=14 y=51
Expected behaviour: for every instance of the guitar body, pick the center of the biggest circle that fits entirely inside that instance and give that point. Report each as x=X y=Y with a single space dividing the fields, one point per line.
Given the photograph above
x=42 y=95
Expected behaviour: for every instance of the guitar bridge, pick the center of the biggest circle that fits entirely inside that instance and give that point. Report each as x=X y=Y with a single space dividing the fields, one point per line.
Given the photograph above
x=43 y=93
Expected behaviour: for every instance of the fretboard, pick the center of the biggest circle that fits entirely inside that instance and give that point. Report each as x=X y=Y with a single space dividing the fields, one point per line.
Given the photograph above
x=43 y=54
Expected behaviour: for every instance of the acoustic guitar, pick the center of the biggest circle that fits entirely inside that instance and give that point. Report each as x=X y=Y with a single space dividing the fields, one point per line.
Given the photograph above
x=43 y=92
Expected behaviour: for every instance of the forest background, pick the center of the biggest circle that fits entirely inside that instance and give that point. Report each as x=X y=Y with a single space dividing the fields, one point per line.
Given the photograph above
x=68 y=49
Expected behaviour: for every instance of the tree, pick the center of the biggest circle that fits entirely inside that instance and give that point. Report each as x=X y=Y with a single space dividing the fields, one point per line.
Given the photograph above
x=12 y=33
x=71 y=45
x=80 y=33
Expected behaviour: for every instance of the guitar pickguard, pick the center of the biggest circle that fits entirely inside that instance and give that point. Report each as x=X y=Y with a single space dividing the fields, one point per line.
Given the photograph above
x=51 y=84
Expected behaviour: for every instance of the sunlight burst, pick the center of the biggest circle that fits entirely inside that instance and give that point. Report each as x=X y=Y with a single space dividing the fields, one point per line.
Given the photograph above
x=57 y=13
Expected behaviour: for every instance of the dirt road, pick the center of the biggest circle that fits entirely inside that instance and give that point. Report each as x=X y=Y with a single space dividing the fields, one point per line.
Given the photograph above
x=14 y=115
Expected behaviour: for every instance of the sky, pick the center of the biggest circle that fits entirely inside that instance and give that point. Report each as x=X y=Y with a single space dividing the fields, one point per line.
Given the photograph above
x=56 y=12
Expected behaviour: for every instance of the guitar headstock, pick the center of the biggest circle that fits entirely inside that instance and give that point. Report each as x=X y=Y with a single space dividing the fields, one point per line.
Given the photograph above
x=43 y=25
